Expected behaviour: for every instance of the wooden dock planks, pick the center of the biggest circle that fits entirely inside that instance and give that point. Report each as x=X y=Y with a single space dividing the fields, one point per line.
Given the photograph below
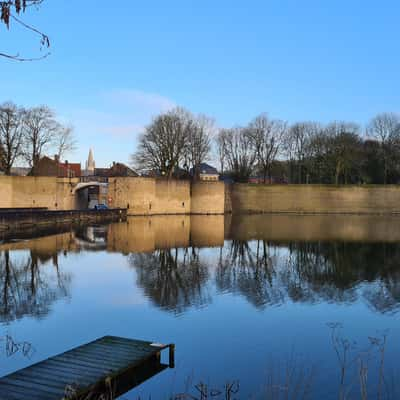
x=111 y=364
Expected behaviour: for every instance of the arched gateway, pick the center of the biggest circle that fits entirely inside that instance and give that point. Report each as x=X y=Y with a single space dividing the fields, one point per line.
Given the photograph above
x=88 y=194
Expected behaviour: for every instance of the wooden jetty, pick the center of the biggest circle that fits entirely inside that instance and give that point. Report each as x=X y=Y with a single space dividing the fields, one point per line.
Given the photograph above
x=108 y=366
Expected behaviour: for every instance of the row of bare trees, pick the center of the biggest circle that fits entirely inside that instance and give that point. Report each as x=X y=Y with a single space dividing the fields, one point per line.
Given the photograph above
x=26 y=134
x=309 y=152
x=255 y=147
x=304 y=152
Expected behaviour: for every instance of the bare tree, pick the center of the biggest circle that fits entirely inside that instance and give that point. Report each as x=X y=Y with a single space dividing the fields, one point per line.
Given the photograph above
x=344 y=144
x=297 y=146
x=65 y=141
x=41 y=131
x=199 y=142
x=385 y=128
x=221 y=146
x=266 y=138
x=11 y=135
x=162 y=145
x=11 y=10
x=239 y=153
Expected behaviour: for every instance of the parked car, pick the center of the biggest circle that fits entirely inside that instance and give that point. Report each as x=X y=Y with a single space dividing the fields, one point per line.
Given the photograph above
x=100 y=207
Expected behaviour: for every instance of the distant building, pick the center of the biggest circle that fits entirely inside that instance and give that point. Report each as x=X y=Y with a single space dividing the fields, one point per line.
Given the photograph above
x=119 y=169
x=90 y=165
x=20 y=171
x=101 y=172
x=205 y=172
x=116 y=169
x=49 y=167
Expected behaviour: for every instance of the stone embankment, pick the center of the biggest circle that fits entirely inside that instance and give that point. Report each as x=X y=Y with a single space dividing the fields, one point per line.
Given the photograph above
x=25 y=220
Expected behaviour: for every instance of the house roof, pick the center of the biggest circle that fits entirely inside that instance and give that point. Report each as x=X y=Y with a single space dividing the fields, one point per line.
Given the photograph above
x=117 y=169
x=205 y=168
x=120 y=169
x=101 y=171
x=49 y=167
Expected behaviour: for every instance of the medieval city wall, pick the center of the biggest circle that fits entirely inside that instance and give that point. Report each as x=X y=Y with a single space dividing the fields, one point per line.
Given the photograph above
x=370 y=199
x=32 y=192
x=148 y=196
x=208 y=198
x=140 y=196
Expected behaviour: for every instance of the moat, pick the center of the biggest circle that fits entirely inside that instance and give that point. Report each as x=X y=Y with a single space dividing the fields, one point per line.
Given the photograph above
x=245 y=299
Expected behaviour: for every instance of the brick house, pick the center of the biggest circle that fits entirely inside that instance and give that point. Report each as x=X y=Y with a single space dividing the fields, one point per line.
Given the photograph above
x=49 y=167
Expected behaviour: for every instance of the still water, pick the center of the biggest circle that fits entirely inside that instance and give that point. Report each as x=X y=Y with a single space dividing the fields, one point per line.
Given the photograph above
x=275 y=305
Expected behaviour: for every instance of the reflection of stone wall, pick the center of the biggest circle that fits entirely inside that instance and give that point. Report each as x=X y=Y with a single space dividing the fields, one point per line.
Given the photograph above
x=47 y=245
x=171 y=231
x=137 y=234
x=346 y=228
x=315 y=198
x=146 y=234
x=40 y=191
x=134 y=235
x=207 y=230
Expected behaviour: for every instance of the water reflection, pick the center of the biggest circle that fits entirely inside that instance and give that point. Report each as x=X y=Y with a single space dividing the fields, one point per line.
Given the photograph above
x=174 y=279
x=248 y=271
x=270 y=273
x=182 y=262
x=29 y=286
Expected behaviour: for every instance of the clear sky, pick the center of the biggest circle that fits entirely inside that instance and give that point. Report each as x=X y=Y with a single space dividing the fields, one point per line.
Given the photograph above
x=114 y=64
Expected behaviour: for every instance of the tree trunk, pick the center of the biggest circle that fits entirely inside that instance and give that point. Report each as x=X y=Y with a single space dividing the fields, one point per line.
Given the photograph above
x=299 y=172
x=337 y=173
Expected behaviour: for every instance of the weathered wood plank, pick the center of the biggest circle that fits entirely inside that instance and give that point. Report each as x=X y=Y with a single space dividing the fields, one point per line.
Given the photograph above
x=86 y=368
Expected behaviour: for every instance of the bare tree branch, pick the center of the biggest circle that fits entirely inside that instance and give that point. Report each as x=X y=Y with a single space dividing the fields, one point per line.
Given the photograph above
x=6 y=14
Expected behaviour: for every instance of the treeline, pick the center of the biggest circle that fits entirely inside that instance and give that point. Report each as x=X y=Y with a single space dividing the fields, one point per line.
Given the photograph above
x=27 y=134
x=273 y=150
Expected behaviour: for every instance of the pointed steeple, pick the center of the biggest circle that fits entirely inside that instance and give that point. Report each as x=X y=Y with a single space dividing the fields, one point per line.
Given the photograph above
x=90 y=164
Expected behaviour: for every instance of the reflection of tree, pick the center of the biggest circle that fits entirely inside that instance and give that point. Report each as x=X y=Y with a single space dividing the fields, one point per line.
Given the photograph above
x=342 y=272
x=174 y=279
x=249 y=272
x=312 y=272
x=28 y=286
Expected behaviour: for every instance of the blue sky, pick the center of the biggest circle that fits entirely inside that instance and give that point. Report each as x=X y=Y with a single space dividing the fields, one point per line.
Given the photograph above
x=115 y=64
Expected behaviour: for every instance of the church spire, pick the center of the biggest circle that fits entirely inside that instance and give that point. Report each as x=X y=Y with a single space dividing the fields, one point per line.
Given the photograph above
x=90 y=164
